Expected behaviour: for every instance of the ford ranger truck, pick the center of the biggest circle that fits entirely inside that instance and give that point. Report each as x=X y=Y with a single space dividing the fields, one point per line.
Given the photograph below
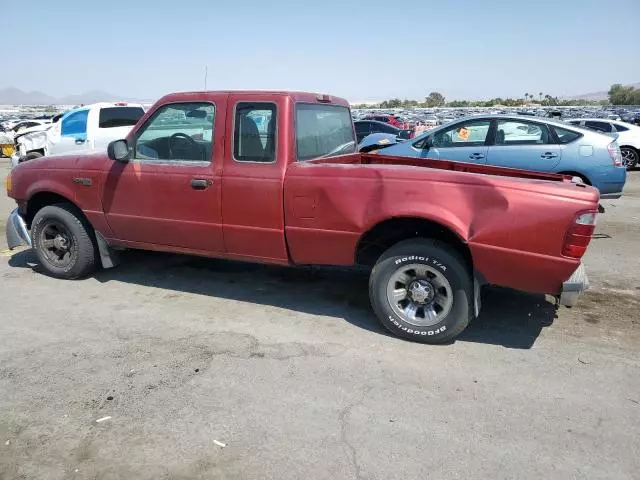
x=274 y=177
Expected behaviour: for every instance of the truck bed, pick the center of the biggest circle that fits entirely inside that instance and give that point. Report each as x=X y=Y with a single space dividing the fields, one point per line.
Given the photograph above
x=380 y=159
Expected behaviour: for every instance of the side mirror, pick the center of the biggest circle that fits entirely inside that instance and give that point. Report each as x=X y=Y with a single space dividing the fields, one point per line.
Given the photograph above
x=118 y=150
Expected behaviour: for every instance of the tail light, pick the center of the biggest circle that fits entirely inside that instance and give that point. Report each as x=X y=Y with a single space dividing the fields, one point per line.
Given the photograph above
x=614 y=153
x=579 y=234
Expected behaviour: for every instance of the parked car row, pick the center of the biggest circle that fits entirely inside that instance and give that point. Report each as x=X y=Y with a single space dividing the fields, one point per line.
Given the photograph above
x=90 y=127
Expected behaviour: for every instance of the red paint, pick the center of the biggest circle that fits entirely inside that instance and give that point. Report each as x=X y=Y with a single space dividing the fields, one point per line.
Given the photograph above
x=517 y=224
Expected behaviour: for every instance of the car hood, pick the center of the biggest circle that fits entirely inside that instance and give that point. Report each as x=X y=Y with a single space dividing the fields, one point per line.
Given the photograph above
x=84 y=161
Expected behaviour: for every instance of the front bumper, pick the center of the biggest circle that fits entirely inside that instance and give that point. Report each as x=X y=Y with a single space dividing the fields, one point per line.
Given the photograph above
x=574 y=287
x=17 y=233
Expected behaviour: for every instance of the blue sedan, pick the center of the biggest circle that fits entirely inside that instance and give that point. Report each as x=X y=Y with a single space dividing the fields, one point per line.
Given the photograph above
x=526 y=143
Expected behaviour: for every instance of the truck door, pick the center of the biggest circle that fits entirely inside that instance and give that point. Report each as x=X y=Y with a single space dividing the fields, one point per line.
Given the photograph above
x=73 y=133
x=252 y=183
x=169 y=193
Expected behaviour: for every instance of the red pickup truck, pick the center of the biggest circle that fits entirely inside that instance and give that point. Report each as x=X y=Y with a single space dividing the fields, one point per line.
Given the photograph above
x=275 y=177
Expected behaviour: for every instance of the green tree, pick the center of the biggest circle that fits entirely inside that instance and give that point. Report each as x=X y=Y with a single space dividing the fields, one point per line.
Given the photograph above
x=621 y=95
x=435 y=99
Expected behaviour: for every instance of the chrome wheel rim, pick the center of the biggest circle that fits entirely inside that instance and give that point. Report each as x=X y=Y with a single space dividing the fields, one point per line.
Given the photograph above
x=628 y=157
x=420 y=294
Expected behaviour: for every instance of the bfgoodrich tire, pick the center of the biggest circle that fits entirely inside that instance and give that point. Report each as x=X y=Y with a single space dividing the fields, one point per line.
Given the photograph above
x=422 y=290
x=63 y=241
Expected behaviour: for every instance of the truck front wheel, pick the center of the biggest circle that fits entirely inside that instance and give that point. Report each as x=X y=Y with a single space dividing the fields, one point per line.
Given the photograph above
x=422 y=290
x=63 y=241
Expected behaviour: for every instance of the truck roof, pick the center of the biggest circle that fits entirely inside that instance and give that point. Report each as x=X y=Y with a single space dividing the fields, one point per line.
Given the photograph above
x=296 y=96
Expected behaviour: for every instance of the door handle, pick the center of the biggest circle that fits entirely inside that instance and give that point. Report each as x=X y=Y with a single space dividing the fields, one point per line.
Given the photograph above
x=200 y=183
x=548 y=155
x=79 y=141
x=476 y=156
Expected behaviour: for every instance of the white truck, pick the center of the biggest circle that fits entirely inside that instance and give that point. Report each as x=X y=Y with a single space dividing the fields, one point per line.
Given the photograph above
x=81 y=130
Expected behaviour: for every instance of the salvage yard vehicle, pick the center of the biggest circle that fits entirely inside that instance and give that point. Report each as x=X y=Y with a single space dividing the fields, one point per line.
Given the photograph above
x=90 y=127
x=628 y=136
x=367 y=127
x=526 y=143
x=196 y=175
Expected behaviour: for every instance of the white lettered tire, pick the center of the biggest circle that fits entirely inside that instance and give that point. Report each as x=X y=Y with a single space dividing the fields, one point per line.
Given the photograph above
x=422 y=290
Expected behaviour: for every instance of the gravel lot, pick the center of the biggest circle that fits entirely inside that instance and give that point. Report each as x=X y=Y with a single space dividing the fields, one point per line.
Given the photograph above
x=211 y=369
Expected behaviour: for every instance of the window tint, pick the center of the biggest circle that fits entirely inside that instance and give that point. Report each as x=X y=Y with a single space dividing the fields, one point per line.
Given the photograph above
x=574 y=122
x=74 y=123
x=323 y=131
x=362 y=127
x=599 y=126
x=566 y=136
x=178 y=131
x=254 y=134
x=119 y=116
x=466 y=134
x=512 y=132
x=620 y=128
x=377 y=128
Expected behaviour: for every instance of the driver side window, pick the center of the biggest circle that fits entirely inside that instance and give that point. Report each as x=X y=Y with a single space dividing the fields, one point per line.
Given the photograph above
x=466 y=134
x=177 y=132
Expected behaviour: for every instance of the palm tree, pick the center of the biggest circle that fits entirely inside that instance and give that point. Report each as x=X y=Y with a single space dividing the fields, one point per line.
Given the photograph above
x=540 y=96
x=526 y=96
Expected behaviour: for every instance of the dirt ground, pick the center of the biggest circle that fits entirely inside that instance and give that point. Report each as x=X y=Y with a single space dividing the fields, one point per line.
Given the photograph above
x=206 y=369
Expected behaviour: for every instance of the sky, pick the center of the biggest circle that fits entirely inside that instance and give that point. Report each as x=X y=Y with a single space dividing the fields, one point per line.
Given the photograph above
x=362 y=50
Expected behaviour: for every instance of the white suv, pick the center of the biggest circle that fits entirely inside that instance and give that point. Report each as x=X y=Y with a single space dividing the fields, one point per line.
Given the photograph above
x=628 y=136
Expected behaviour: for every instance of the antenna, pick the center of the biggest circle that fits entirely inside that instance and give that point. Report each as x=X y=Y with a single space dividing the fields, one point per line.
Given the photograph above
x=206 y=70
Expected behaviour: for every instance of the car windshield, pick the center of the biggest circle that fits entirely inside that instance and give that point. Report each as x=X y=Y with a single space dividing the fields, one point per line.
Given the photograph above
x=323 y=131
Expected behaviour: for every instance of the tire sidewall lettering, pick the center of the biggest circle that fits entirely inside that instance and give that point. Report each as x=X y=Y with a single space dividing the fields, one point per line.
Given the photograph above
x=414 y=331
x=417 y=258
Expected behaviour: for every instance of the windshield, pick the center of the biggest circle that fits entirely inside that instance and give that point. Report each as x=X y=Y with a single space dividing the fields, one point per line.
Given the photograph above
x=323 y=131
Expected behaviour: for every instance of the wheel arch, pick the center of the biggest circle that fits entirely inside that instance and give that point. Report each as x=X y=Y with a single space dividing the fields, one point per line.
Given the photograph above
x=573 y=173
x=386 y=233
x=45 y=198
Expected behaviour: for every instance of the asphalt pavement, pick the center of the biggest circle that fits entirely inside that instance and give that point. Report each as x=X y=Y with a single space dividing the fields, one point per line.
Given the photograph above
x=176 y=367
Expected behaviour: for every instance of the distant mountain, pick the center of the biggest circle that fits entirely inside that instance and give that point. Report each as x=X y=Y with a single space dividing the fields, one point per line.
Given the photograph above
x=14 y=96
x=598 y=95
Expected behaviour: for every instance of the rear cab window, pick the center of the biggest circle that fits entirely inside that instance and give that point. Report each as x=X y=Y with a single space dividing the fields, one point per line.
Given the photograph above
x=323 y=130
x=111 y=117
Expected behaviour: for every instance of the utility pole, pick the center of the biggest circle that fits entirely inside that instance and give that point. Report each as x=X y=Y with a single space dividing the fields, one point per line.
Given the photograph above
x=206 y=70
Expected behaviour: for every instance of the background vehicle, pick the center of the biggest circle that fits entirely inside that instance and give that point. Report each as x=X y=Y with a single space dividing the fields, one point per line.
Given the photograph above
x=526 y=143
x=367 y=127
x=386 y=118
x=90 y=127
x=628 y=137
x=196 y=175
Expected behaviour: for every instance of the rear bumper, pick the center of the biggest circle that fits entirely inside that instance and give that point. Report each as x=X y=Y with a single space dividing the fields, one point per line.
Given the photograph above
x=17 y=233
x=574 y=287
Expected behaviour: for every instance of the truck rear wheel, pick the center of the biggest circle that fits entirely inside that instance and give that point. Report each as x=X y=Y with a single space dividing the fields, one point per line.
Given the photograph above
x=63 y=241
x=422 y=290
